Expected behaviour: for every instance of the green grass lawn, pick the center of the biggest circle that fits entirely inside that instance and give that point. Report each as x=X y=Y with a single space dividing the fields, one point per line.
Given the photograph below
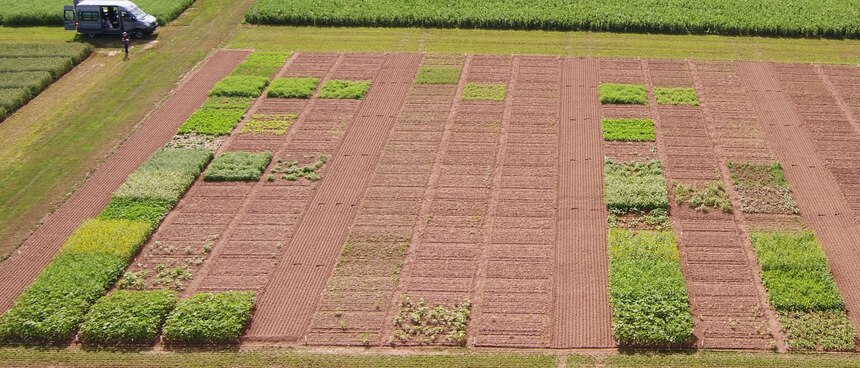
x=51 y=144
x=702 y=47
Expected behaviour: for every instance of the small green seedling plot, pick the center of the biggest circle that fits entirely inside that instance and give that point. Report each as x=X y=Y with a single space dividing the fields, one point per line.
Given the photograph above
x=209 y=318
x=195 y=141
x=44 y=12
x=238 y=166
x=676 y=96
x=240 y=86
x=703 y=197
x=762 y=188
x=650 y=305
x=801 y=289
x=636 y=196
x=90 y=261
x=341 y=89
x=290 y=170
x=438 y=75
x=262 y=64
x=127 y=318
x=217 y=117
x=419 y=323
x=628 y=130
x=631 y=94
x=484 y=92
x=269 y=124
x=293 y=87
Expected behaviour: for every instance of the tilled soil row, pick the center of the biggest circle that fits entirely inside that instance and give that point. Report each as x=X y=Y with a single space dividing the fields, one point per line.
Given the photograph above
x=19 y=270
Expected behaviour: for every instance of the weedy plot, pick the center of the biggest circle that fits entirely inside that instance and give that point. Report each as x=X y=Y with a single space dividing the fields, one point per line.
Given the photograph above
x=195 y=141
x=419 y=323
x=703 y=197
x=209 y=318
x=240 y=86
x=676 y=96
x=291 y=171
x=636 y=195
x=438 y=75
x=127 y=318
x=340 y=89
x=238 y=166
x=269 y=124
x=484 y=92
x=650 y=305
x=217 y=117
x=762 y=188
x=166 y=175
x=293 y=87
x=262 y=64
x=801 y=289
x=90 y=261
x=629 y=94
x=628 y=130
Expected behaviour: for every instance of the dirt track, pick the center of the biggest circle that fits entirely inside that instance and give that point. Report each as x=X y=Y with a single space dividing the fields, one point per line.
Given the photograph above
x=19 y=270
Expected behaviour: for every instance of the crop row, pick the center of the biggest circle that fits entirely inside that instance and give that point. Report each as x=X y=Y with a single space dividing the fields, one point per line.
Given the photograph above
x=766 y=17
x=50 y=12
x=28 y=68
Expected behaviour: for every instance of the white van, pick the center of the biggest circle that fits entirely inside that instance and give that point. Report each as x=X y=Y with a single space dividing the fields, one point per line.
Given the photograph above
x=95 y=17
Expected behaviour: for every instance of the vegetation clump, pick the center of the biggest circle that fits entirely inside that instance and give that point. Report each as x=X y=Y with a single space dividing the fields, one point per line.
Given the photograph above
x=636 y=195
x=628 y=130
x=650 y=305
x=711 y=195
x=762 y=188
x=801 y=289
x=293 y=87
x=290 y=170
x=631 y=94
x=341 y=89
x=127 y=318
x=209 y=318
x=438 y=75
x=240 y=86
x=676 y=96
x=238 y=166
x=484 y=92
x=418 y=323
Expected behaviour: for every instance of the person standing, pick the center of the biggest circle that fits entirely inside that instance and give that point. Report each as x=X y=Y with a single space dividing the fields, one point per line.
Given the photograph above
x=125 y=41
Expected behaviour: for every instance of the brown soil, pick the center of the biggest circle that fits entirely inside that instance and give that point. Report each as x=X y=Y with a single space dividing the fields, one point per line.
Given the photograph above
x=19 y=270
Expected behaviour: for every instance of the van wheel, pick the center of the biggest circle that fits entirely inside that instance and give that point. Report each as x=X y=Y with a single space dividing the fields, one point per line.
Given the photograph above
x=137 y=34
x=90 y=35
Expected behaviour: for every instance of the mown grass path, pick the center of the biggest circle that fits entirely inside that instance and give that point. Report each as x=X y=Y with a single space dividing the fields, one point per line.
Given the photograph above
x=53 y=143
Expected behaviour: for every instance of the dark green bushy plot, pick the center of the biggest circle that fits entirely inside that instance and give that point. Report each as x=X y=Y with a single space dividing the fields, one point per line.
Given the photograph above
x=240 y=86
x=438 y=75
x=484 y=92
x=634 y=187
x=340 y=89
x=238 y=166
x=262 y=64
x=127 y=317
x=293 y=87
x=623 y=94
x=628 y=130
x=209 y=318
x=647 y=293
x=676 y=96
x=90 y=261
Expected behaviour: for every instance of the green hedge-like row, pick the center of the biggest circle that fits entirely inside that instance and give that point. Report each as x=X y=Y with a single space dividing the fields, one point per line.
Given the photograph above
x=650 y=306
x=77 y=51
x=13 y=98
x=35 y=82
x=57 y=66
x=634 y=187
x=87 y=265
x=262 y=64
x=209 y=318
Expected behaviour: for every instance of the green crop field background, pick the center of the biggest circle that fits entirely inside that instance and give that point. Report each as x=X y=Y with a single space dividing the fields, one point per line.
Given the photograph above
x=50 y=12
x=830 y=18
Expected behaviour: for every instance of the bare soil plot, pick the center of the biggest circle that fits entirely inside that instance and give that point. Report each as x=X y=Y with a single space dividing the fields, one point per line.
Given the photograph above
x=21 y=268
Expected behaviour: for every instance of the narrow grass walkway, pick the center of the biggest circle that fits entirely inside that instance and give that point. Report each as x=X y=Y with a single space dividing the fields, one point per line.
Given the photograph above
x=358 y=358
x=50 y=145
x=279 y=38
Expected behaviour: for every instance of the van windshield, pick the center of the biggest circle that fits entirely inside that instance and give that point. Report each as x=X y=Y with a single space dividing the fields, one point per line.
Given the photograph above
x=136 y=12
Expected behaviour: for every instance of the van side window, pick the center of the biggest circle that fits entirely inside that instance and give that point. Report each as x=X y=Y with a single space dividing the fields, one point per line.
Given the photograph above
x=88 y=16
x=69 y=15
